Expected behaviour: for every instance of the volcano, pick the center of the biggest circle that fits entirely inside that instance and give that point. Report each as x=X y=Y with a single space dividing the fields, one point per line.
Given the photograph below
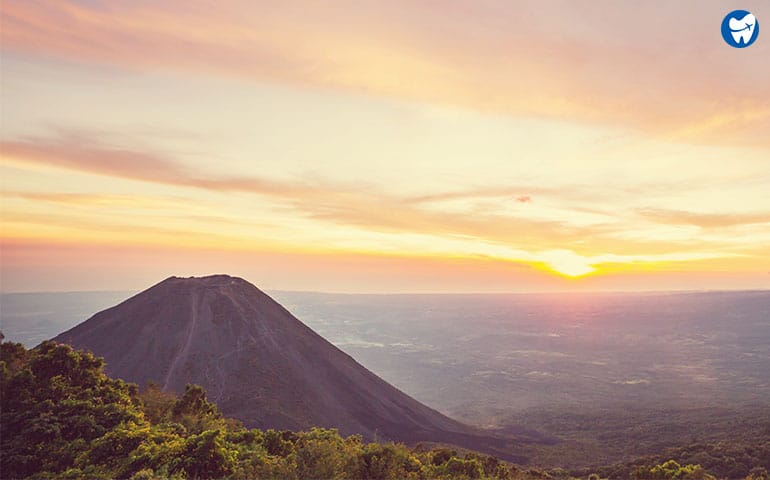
x=259 y=364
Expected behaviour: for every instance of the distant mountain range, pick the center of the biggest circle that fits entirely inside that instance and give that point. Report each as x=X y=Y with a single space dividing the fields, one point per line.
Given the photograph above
x=260 y=364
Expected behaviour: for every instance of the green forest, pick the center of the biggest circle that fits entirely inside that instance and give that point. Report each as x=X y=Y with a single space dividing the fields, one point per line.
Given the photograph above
x=62 y=417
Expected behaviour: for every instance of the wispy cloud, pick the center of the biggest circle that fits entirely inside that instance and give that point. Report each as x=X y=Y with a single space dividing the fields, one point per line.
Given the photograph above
x=356 y=205
x=633 y=67
x=703 y=220
x=80 y=152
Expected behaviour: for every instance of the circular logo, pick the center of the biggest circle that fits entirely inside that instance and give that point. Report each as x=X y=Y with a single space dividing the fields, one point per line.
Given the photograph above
x=740 y=28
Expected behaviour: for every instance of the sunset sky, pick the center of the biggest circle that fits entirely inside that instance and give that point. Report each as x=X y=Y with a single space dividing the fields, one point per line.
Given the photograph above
x=384 y=146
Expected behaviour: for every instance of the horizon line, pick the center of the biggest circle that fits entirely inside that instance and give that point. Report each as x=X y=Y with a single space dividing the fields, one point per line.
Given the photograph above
x=461 y=293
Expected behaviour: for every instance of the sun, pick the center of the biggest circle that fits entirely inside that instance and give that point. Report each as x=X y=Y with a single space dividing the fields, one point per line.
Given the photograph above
x=573 y=270
x=569 y=264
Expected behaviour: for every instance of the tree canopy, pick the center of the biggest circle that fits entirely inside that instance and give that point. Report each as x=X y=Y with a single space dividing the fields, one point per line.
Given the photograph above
x=63 y=417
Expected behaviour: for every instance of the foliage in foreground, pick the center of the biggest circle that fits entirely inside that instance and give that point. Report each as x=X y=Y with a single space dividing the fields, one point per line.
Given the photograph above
x=62 y=417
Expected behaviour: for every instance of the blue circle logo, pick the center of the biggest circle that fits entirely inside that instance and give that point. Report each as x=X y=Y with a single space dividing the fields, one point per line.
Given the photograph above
x=740 y=29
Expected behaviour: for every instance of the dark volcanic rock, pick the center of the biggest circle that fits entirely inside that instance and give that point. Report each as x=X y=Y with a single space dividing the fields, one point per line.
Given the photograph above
x=258 y=363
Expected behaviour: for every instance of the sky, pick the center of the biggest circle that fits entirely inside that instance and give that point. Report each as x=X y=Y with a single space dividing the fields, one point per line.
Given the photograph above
x=372 y=146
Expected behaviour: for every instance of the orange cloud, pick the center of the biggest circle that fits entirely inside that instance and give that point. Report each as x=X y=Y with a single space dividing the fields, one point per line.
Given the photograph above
x=368 y=208
x=82 y=153
x=359 y=206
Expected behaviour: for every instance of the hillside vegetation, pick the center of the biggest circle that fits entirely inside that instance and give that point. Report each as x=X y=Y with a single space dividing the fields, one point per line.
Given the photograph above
x=727 y=442
x=62 y=417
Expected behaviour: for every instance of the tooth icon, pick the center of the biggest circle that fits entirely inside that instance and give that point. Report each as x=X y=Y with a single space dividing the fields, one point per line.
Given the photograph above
x=742 y=30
